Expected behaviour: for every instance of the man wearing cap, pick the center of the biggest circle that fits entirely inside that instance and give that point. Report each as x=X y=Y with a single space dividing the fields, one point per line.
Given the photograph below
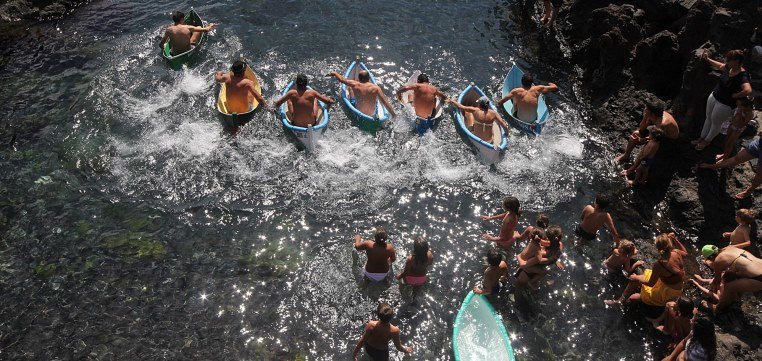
x=303 y=107
x=239 y=91
x=751 y=151
x=526 y=97
x=741 y=271
x=479 y=119
x=424 y=96
x=364 y=94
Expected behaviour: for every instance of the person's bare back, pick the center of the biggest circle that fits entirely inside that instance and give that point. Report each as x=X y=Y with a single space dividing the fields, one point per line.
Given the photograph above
x=525 y=102
x=180 y=38
x=424 y=96
x=592 y=220
x=380 y=333
x=367 y=95
x=303 y=106
x=380 y=257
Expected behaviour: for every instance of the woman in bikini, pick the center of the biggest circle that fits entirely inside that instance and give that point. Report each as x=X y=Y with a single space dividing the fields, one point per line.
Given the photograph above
x=740 y=271
x=417 y=265
x=664 y=282
x=508 y=234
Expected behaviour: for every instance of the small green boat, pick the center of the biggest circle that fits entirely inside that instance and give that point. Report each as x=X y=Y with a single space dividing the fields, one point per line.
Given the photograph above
x=177 y=61
x=478 y=333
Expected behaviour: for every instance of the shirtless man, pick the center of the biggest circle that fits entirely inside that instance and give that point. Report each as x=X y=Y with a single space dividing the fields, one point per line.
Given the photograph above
x=364 y=93
x=183 y=37
x=239 y=91
x=593 y=218
x=653 y=114
x=525 y=98
x=377 y=334
x=380 y=254
x=303 y=107
x=479 y=119
x=424 y=96
x=497 y=270
x=741 y=271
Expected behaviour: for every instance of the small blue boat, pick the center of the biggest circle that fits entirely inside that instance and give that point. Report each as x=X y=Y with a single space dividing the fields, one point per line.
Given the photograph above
x=489 y=152
x=513 y=81
x=365 y=121
x=422 y=125
x=308 y=136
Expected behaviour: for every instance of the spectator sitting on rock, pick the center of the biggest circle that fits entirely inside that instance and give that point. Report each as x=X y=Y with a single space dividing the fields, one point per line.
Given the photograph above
x=739 y=270
x=653 y=114
x=645 y=158
x=750 y=152
x=734 y=84
x=734 y=127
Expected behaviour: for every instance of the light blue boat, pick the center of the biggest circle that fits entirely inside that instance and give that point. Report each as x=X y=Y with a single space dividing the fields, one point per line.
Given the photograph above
x=513 y=81
x=308 y=136
x=478 y=333
x=488 y=152
x=365 y=121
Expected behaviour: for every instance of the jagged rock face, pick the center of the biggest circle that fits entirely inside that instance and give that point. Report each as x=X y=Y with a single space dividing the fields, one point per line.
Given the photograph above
x=731 y=29
x=657 y=64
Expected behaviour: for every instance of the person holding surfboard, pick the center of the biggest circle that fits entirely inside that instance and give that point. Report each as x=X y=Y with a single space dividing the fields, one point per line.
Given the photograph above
x=480 y=119
x=183 y=37
x=303 y=107
x=424 y=96
x=377 y=334
x=365 y=94
x=526 y=98
x=239 y=91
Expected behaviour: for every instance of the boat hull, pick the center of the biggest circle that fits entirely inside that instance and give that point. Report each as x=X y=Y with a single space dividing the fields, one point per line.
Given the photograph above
x=479 y=333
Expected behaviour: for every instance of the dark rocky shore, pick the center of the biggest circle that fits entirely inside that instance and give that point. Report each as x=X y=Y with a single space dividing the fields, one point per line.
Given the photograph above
x=625 y=52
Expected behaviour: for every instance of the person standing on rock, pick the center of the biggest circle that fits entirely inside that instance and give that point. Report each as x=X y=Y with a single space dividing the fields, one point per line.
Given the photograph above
x=653 y=114
x=550 y=12
x=734 y=84
x=741 y=271
x=750 y=152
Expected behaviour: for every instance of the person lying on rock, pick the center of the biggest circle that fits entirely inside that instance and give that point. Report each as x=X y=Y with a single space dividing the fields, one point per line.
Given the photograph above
x=653 y=114
x=739 y=270
x=750 y=152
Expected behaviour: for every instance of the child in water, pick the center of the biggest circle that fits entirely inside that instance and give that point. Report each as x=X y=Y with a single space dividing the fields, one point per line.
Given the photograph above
x=495 y=272
x=675 y=321
x=508 y=234
x=593 y=218
x=642 y=164
x=416 y=266
x=541 y=222
x=622 y=258
x=735 y=126
x=531 y=270
x=377 y=334
x=740 y=237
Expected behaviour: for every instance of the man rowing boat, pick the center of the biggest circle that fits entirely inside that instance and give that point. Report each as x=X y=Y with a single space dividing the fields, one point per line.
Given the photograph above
x=239 y=91
x=183 y=37
x=363 y=93
x=526 y=97
x=479 y=119
x=303 y=107
x=424 y=96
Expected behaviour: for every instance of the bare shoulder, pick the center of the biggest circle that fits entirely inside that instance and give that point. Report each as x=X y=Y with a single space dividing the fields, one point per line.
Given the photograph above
x=394 y=330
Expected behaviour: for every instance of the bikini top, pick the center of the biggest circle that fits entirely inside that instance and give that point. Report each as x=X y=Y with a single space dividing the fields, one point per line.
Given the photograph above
x=733 y=264
x=670 y=279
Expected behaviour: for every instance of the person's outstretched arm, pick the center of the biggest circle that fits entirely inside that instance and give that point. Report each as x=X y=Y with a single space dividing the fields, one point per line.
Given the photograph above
x=463 y=107
x=164 y=39
x=342 y=79
x=404 y=89
x=284 y=98
x=359 y=244
x=505 y=98
x=257 y=96
x=398 y=344
x=361 y=342
x=203 y=29
x=385 y=102
x=325 y=99
x=742 y=156
x=551 y=87
x=713 y=63
x=612 y=228
x=220 y=76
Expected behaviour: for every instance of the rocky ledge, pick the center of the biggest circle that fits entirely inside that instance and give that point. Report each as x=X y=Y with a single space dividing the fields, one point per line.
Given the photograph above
x=625 y=52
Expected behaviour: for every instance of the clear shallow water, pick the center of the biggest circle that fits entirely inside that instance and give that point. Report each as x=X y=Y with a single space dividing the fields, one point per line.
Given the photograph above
x=134 y=227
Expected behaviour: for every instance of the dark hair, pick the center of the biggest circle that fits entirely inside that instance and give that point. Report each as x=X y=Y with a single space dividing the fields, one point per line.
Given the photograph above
x=420 y=250
x=380 y=235
x=602 y=201
x=494 y=257
x=555 y=234
x=703 y=334
x=363 y=76
x=527 y=80
x=423 y=78
x=685 y=306
x=736 y=55
x=655 y=107
x=302 y=81
x=512 y=204
x=537 y=233
x=655 y=132
x=384 y=312
x=746 y=102
x=238 y=68
x=542 y=220
x=178 y=16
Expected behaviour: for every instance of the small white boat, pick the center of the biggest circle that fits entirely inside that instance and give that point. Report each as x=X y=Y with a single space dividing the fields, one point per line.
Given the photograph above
x=308 y=136
x=489 y=152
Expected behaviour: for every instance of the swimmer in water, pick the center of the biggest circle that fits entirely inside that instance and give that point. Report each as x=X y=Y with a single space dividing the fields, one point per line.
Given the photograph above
x=377 y=334
x=622 y=258
x=416 y=266
x=497 y=271
x=594 y=217
x=510 y=219
x=381 y=255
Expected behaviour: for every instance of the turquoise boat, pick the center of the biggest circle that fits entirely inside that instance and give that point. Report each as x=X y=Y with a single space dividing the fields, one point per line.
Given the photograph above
x=177 y=61
x=488 y=152
x=364 y=121
x=309 y=136
x=478 y=333
x=513 y=81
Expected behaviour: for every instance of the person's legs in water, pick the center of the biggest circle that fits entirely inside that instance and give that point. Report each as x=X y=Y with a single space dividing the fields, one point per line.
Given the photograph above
x=631 y=144
x=377 y=354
